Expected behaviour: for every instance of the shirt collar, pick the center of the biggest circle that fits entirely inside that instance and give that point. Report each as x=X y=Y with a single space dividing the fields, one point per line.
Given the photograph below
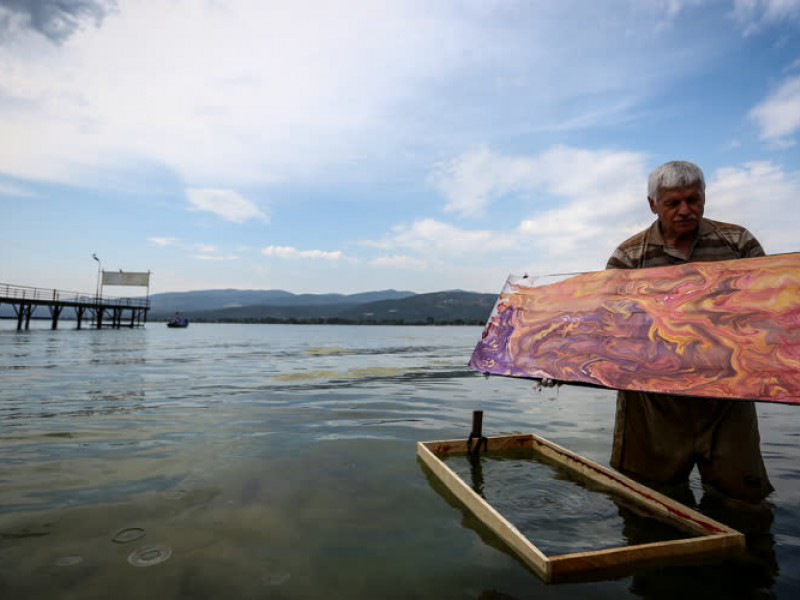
x=705 y=228
x=656 y=239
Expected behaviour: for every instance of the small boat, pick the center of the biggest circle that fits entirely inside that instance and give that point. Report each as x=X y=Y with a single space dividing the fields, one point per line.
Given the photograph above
x=178 y=321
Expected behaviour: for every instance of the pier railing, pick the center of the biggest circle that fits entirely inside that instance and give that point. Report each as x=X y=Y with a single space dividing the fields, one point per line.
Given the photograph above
x=45 y=295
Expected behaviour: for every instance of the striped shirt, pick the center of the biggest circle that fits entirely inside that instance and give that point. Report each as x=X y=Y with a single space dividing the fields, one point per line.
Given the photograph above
x=715 y=241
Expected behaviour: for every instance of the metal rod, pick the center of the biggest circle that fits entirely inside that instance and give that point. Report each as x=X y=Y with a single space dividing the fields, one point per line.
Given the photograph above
x=477 y=423
x=477 y=435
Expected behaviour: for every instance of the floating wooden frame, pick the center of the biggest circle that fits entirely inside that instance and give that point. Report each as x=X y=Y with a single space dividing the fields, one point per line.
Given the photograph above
x=713 y=538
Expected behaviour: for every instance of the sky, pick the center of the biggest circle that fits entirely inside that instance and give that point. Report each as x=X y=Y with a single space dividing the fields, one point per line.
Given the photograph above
x=318 y=146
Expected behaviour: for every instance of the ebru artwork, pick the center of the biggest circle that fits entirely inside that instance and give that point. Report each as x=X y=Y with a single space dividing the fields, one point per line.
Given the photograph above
x=727 y=329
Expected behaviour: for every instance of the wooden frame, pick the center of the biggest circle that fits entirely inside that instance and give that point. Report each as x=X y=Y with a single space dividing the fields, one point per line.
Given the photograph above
x=714 y=538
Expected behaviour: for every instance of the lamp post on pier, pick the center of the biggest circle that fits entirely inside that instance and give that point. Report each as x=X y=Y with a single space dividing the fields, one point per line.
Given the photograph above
x=97 y=286
x=98 y=311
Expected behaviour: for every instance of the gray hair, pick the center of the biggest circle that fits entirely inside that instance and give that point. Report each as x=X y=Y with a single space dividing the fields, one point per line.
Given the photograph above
x=677 y=173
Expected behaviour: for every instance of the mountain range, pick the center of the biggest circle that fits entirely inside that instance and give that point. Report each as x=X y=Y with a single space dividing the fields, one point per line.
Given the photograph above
x=279 y=306
x=276 y=306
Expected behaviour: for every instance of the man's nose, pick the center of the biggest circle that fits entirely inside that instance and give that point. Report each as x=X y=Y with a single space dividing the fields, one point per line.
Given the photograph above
x=683 y=209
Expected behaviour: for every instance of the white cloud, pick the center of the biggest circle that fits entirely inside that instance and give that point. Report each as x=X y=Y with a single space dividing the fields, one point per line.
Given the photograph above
x=9 y=189
x=400 y=261
x=214 y=257
x=778 y=116
x=199 y=250
x=586 y=203
x=227 y=94
x=474 y=180
x=582 y=204
x=754 y=15
x=795 y=64
x=433 y=238
x=164 y=241
x=760 y=196
x=292 y=252
x=227 y=204
x=222 y=93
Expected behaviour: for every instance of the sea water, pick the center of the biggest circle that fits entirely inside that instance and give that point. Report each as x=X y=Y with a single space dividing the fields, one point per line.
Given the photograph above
x=272 y=461
x=559 y=511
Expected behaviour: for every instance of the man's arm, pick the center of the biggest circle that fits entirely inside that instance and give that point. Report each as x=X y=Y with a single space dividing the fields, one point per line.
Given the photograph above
x=740 y=240
x=620 y=260
x=751 y=246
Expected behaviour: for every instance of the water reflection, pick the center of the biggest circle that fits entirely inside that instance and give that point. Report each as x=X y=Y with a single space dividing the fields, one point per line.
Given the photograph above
x=746 y=575
x=476 y=473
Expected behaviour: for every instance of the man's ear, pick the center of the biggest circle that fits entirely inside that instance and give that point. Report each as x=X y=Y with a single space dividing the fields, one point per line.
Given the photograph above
x=652 y=205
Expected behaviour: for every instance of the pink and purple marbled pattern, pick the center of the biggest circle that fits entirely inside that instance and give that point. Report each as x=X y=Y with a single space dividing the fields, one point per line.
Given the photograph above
x=727 y=329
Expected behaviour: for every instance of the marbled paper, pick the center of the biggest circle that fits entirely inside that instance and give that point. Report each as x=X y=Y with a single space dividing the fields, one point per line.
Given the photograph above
x=728 y=329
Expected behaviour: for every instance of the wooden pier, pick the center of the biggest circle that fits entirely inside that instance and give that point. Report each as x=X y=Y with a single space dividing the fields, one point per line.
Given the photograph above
x=98 y=310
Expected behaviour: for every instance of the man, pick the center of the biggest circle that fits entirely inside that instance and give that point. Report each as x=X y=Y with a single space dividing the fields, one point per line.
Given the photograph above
x=660 y=437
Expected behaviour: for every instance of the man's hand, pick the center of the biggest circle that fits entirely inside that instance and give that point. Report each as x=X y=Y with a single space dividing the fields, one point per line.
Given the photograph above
x=546 y=382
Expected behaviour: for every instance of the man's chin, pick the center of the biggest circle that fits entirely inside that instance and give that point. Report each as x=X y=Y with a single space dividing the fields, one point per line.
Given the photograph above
x=685 y=226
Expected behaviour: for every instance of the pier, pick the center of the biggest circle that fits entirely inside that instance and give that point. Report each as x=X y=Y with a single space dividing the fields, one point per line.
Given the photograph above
x=96 y=309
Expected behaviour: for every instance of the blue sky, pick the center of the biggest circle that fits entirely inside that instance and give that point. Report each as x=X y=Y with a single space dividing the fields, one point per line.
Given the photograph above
x=315 y=146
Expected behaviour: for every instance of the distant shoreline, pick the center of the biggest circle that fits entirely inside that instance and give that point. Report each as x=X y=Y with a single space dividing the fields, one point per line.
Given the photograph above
x=334 y=321
x=270 y=321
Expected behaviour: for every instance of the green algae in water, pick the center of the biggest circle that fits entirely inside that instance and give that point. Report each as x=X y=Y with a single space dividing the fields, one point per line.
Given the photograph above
x=556 y=509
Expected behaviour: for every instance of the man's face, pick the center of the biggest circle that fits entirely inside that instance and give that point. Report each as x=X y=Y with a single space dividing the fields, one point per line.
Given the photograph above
x=679 y=210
